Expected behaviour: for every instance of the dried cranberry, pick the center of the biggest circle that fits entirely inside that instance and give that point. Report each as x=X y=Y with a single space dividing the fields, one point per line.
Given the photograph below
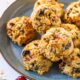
x=21 y=78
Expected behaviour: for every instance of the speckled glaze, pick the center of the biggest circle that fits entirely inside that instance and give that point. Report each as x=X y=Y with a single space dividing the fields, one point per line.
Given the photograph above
x=11 y=52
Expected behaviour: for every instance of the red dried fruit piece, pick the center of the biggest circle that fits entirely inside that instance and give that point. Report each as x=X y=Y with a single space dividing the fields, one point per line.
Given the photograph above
x=21 y=78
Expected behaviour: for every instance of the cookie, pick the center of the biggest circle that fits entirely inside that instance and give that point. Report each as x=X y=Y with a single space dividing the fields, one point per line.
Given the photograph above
x=72 y=14
x=69 y=27
x=20 y=30
x=71 y=65
x=58 y=7
x=59 y=44
x=44 y=17
x=32 y=60
x=75 y=33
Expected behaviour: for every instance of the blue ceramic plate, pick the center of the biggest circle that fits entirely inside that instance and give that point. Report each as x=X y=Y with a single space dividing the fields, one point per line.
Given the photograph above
x=12 y=52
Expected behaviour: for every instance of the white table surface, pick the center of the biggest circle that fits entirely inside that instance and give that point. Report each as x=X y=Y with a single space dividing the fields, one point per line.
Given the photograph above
x=6 y=72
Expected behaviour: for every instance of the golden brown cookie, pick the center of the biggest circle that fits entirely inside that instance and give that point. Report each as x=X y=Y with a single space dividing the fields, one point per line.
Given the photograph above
x=75 y=33
x=20 y=30
x=71 y=65
x=58 y=45
x=58 y=7
x=44 y=17
x=32 y=59
x=72 y=14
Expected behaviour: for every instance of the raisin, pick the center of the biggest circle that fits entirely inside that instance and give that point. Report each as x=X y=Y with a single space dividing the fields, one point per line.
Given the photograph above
x=49 y=14
x=22 y=31
x=67 y=46
x=78 y=46
x=38 y=3
x=78 y=63
x=76 y=70
x=78 y=55
x=12 y=24
x=33 y=64
x=42 y=12
x=63 y=64
x=25 y=53
x=36 y=44
x=63 y=45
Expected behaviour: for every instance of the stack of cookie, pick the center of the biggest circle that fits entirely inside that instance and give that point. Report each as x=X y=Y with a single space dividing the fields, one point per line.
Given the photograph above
x=60 y=38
